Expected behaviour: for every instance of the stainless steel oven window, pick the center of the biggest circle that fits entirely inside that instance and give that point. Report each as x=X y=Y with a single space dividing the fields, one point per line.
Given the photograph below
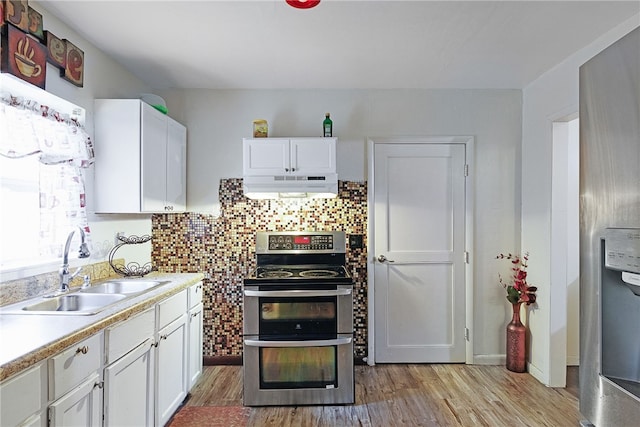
x=257 y=393
x=256 y=309
x=291 y=367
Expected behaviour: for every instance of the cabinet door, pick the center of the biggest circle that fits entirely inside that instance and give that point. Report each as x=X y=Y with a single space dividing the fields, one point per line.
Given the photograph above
x=154 y=159
x=117 y=163
x=176 y=193
x=194 y=369
x=129 y=388
x=313 y=156
x=79 y=407
x=171 y=379
x=23 y=396
x=265 y=157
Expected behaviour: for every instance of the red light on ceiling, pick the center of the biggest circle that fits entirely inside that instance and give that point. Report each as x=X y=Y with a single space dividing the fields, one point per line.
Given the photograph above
x=303 y=4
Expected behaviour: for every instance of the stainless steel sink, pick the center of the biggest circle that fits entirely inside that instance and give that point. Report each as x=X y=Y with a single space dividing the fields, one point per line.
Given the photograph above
x=76 y=303
x=85 y=301
x=123 y=286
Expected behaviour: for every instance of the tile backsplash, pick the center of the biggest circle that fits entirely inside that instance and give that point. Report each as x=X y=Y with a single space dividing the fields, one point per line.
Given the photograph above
x=223 y=249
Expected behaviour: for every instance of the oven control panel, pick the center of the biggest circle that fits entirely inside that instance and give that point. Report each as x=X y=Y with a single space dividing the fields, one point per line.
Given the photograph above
x=300 y=242
x=308 y=242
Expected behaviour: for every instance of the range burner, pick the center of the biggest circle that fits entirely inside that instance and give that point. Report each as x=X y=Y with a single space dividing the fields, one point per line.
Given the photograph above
x=274 y=274
x=318 y=273
x=292 y=273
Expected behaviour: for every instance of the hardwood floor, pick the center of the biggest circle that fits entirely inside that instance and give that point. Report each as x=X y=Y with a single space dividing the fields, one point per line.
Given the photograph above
x=396 y=395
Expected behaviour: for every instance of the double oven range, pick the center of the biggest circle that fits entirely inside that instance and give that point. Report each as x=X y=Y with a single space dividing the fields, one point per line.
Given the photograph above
x=298 y=321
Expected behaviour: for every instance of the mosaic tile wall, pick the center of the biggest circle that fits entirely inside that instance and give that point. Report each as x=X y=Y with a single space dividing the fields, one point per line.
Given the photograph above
x=222 y=249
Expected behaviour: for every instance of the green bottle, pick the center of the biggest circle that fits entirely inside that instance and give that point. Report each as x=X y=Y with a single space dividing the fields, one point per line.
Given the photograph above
x=327 y=126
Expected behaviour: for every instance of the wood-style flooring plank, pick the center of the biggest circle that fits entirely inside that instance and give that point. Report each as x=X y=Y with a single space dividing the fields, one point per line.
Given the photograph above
x=403 y=395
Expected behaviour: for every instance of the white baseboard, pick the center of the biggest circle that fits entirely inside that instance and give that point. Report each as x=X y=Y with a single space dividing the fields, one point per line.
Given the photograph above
x=489 y=359
x=573 y=360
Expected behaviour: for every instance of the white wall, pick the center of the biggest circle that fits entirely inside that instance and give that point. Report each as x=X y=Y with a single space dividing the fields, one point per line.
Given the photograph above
x=104 y=78
x=549 y=98
x=217 y=120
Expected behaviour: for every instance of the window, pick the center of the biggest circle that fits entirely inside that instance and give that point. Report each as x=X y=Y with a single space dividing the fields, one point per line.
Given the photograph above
x=42 y=155
x=20 y=213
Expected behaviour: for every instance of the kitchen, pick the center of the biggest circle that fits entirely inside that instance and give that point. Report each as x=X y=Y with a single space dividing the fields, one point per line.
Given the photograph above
x=509 y=124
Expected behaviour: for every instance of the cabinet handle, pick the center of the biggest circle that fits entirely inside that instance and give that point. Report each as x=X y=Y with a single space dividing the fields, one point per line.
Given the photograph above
x=163 y=337
x=194 y=314
x=155 y=344
x=293 y=169
x=83 y=350
x=99 y=384
x=286 y=169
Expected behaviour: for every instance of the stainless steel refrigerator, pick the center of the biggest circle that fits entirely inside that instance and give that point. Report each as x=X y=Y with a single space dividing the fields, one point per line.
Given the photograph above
x=609 y=377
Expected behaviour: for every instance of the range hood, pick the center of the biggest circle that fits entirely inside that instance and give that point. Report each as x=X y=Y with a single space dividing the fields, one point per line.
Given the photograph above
x=291 y=186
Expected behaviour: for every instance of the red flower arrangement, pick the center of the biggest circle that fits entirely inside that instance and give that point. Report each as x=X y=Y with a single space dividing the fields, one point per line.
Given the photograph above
x=519 y=291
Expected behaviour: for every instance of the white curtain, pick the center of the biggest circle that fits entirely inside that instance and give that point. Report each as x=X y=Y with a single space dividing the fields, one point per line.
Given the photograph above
x=63 y=149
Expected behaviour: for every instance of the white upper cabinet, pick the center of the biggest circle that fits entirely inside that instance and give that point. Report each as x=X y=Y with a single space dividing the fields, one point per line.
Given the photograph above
x=140 y=162
x=288 y=156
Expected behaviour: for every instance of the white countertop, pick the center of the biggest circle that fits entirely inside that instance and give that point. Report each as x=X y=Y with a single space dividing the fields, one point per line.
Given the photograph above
x=25 y=339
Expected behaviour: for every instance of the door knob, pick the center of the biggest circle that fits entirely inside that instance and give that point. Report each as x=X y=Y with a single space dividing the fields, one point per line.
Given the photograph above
x=383 y=258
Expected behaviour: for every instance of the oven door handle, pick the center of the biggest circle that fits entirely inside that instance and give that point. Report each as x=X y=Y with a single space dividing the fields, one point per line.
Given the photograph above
x=305 y=343
x=299 y=293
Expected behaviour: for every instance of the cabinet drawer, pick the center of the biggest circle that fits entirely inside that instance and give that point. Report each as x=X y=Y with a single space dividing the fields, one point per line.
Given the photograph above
x=23 y=395
x=172 y=308
x=125 y=336
x=69 y=368
x=195 y=294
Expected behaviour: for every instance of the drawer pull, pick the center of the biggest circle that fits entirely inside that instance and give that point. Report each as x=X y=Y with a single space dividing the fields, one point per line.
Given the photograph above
x=194 y=314
x=99 y=384
x=84 y=350
x=163 y=337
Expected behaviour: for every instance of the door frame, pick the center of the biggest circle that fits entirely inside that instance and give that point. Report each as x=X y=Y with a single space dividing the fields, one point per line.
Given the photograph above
x=468 y=142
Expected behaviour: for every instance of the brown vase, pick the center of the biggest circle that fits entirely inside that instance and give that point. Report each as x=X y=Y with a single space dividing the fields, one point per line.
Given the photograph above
x=516 y=336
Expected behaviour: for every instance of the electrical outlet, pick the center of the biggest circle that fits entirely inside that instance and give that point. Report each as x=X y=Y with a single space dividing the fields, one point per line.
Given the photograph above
x=356 y=241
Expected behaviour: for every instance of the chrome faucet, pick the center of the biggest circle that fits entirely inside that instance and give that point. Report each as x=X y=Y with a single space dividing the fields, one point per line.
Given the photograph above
x=65 y=275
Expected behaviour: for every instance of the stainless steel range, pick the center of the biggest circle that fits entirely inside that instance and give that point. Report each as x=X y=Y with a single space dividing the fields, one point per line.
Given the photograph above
x=298 y=321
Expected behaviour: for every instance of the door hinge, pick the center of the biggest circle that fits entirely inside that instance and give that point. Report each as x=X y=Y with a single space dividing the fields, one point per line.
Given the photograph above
x=466 y=257
x=466 y=170
x=466 y=334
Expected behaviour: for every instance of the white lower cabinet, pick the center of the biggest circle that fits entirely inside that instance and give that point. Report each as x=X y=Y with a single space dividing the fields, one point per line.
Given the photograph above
x=128 y=388
x=194 y=339
x=75 y=384
x=171 y=369
x=194 y=361
x=171 y=356
x=133 y=373
x=80 y=407
x=23 y=398
x=130 y=372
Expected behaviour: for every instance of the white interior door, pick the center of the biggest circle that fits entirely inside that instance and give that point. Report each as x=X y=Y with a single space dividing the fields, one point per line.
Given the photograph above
x=419 y=247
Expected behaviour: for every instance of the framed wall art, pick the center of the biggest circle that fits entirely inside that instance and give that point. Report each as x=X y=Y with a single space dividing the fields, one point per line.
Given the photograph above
x=56 y=50
x=23 y=56
x=16 y=12
x=35 y=24
x=74 y=68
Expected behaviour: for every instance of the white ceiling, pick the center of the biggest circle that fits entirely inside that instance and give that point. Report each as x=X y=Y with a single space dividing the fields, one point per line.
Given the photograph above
x=340 y=44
